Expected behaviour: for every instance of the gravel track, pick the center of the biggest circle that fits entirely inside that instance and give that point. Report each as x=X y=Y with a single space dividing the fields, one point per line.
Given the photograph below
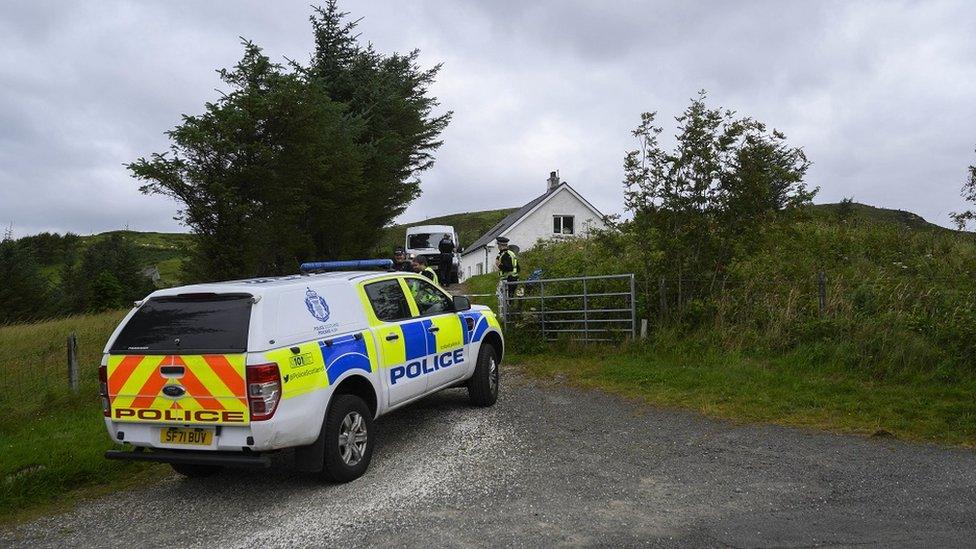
x=551 y=465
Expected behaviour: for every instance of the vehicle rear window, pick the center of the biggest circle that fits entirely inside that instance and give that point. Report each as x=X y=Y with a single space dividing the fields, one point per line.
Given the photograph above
x=419 y=241
x=197 y=324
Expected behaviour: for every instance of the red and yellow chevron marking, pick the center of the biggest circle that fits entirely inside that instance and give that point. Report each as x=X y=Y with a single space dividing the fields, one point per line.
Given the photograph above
x=215 y=390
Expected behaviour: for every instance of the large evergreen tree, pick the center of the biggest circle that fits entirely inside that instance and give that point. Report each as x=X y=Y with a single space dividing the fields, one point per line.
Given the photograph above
x=300 y=161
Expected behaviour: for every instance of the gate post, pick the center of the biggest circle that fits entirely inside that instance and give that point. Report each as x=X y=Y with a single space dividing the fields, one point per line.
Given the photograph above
x=586 y=313
x=633 y=309
x=542 y=307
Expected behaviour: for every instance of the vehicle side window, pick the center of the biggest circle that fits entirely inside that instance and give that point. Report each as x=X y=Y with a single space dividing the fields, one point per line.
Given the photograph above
x=429 y=299
x=388 y=301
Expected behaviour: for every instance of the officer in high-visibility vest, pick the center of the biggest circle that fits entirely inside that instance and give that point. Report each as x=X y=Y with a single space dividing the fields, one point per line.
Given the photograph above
x=507 y=263
x=420 y=266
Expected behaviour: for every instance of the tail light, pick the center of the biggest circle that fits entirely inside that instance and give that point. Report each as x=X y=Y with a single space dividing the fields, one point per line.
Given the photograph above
x=103 y=389
x=263 y=390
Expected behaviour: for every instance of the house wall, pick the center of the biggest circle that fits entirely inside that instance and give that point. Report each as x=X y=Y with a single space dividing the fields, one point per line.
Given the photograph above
x=473 y=264
x=535 y=227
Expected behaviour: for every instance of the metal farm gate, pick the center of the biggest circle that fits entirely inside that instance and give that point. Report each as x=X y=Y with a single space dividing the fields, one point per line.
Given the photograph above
x=586 y=308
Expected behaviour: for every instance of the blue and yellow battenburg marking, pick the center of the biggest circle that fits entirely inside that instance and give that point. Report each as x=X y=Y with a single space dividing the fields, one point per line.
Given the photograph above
x=416 y=351
x=480 y=321
x=425 y=352
x=318 y=364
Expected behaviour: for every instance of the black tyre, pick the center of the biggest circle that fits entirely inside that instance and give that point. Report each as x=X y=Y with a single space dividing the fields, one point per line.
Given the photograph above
x=483 y=385
x=196 y=471
x=348 y=439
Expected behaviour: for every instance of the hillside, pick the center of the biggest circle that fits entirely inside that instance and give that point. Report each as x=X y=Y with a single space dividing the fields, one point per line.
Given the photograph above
x=167 y=251
x=863 y=213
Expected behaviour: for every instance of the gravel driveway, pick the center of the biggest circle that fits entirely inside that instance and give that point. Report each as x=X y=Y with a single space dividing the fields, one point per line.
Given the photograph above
x=559 y=466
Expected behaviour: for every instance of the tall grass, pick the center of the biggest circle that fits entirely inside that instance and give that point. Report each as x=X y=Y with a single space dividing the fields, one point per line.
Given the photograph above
x=898 y=298
x=51 y=439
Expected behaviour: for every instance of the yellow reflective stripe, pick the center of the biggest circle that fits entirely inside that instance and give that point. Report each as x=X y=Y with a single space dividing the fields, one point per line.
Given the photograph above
x=370 y=349
x=492 y=319
x=391 y=352
x=301 y=372
x=448 y=335
x=131 y=388
x=411 y=302
x=214 y=384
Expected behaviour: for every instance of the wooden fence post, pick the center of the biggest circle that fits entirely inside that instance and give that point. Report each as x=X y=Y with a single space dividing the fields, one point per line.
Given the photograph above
x=822 y=292
x=73 y=362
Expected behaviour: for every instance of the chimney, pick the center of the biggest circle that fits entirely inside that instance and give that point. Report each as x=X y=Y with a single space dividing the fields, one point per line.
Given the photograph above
x=553 y=181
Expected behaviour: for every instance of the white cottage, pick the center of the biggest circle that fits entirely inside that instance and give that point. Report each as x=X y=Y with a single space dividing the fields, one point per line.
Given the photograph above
x=560 y=212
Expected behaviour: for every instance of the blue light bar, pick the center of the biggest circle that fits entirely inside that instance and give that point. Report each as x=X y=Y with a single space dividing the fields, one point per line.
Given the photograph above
x=351 y=264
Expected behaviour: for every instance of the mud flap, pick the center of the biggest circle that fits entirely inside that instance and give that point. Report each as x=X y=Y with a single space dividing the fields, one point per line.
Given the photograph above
x=311 y=458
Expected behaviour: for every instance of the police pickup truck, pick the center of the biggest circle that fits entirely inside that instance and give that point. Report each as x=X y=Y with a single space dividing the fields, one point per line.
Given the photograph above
x=236 y=373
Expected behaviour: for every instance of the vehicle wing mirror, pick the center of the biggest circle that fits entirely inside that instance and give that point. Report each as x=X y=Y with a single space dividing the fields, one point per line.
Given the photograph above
x=461 y=303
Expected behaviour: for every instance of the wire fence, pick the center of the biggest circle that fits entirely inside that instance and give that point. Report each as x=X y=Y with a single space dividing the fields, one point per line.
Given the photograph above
x=60 y=373
x=943 y=310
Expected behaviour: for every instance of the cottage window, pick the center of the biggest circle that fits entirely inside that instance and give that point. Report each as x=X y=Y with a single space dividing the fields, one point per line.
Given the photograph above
x=562 y=224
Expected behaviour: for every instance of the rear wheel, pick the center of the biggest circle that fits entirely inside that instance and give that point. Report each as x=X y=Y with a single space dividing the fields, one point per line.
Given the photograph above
x=190 y=470
x=483 y=385
x=348 y=439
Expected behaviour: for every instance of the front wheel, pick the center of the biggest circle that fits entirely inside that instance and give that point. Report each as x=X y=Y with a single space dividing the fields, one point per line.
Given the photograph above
x=483 y=385
x=348 y=439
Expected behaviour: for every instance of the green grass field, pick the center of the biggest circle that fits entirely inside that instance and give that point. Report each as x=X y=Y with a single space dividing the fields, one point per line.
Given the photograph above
x=52 y=440
x=795 y=389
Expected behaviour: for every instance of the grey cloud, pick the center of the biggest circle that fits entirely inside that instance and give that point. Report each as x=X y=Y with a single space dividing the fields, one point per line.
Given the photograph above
x=879 y=93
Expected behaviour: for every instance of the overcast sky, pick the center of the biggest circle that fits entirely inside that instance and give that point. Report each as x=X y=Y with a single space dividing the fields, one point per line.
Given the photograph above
x=882 y=95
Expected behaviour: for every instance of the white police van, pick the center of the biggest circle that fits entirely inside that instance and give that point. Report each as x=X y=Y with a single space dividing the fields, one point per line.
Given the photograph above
x=233 y=373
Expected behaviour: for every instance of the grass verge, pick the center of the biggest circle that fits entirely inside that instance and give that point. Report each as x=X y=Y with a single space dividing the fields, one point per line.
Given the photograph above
x=51 y=439
x=794 y=389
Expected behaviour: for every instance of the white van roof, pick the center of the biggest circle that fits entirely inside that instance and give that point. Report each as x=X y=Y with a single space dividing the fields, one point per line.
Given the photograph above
x=430 y=229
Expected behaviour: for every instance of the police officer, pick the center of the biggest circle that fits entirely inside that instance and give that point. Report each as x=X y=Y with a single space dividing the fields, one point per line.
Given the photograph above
x=420 y=266
x=400 y=262
x=446 y=248
x=507 y=263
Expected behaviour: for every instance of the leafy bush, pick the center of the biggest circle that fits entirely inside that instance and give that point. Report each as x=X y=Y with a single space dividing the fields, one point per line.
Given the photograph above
x=898 y=298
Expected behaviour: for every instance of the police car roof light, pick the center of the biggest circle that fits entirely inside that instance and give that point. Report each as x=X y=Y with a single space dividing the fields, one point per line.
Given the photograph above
x=352 y=264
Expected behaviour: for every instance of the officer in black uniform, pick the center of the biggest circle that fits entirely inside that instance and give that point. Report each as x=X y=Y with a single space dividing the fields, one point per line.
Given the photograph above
x=507 y=263
x=446 y=248
x=400 y=261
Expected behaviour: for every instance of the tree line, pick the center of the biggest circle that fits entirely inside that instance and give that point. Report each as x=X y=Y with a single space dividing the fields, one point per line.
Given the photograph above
x=49 y=275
